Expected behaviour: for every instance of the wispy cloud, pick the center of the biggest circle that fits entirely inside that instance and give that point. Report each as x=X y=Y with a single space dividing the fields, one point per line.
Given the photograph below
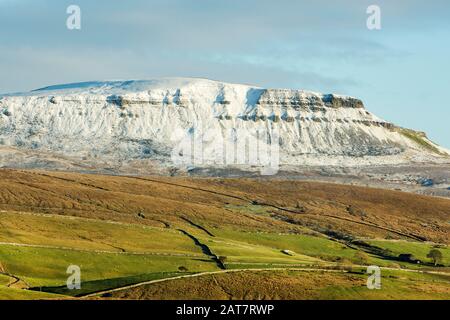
x=319 y=45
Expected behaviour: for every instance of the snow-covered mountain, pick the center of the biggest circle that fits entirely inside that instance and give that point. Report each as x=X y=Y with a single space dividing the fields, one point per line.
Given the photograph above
x=119 y=124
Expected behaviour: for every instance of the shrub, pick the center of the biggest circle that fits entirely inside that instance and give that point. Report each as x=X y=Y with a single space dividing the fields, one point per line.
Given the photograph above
x=435 y=255
x=222 y=259
x=361 y=257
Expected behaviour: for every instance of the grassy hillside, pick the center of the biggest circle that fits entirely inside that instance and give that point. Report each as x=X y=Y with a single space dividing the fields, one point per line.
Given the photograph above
x=419 y=250
x=419 y=138
x=123 y=231
x=294 y=284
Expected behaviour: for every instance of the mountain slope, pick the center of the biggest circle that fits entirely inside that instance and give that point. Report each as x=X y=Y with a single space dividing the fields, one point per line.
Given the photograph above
x=159 y=237
x=198 y=123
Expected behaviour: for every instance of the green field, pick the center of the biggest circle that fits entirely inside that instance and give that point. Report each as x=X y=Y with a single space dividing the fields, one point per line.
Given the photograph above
x=306 y=248
x=37 y=249
x=419 y=250
x=18 y=294
x=47 y=267
x=89 y=234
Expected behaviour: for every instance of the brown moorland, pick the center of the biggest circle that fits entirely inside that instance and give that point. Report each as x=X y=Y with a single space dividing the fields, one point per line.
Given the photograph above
x=289 y=285
x=135 y=231
x=284 y=206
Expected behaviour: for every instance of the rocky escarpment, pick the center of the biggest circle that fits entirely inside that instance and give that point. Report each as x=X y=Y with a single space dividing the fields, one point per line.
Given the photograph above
x=113 y=123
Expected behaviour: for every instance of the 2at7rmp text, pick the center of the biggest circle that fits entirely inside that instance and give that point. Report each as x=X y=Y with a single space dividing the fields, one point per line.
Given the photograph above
x=236 y=309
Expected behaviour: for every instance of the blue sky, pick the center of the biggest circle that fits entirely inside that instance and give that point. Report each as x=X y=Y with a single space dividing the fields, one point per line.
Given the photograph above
x=401 y=72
